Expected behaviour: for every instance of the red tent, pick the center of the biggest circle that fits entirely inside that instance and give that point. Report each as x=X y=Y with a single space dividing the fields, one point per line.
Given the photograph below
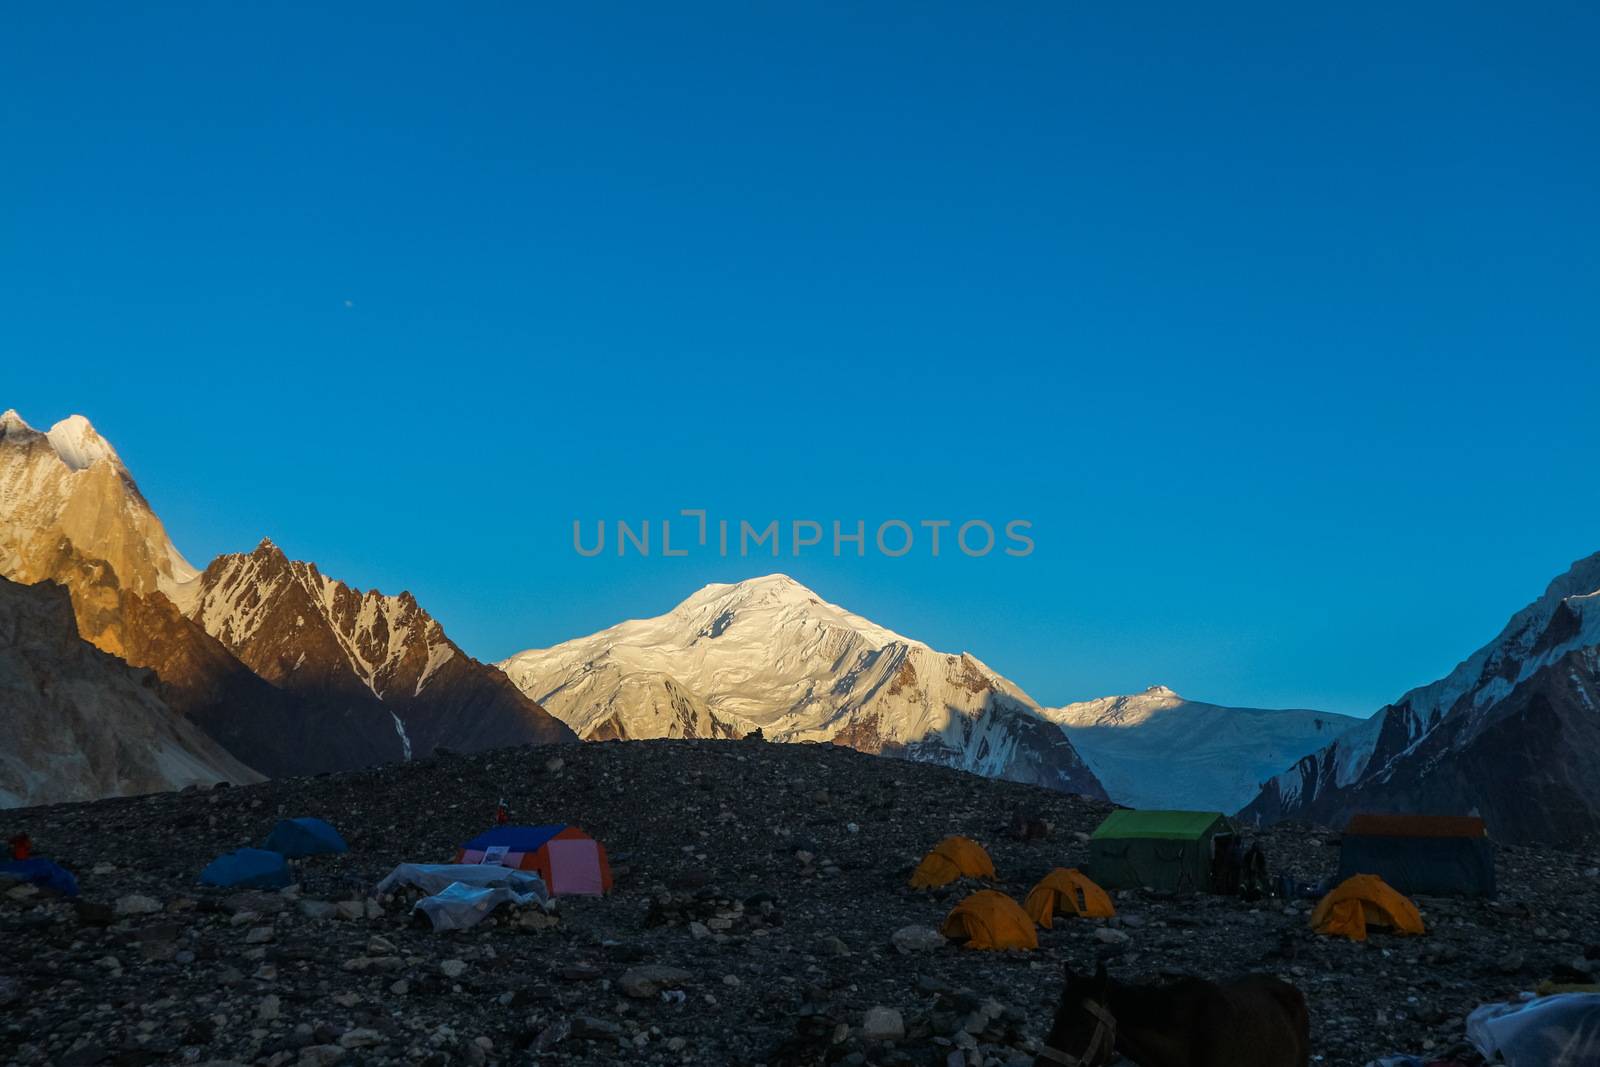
x=570 y=861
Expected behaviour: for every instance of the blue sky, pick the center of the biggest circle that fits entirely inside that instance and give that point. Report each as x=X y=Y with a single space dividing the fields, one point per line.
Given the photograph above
x=1279 y=326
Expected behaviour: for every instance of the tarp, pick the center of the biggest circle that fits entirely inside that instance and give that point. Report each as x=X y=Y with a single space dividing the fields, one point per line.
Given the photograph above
x=435 y=877
x=954 y=857
x=1067 y=891
x=989 y=919
x=295 y=838
x=1558 y=1031
x=1164 y=825
x=1430 y=854
x=458 y=906
x=253 y=868
x=43 y=872
x=1362 y=901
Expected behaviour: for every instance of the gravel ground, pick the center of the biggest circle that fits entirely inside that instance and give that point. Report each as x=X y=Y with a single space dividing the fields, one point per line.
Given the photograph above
x=760 y=889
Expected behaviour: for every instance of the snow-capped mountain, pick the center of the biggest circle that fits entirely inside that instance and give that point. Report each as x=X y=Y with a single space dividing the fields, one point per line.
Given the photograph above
x=80 y=724
x=1512 y=734
x=310 y=634
x=70 y=483
x=770 y=654
x=1157 y=750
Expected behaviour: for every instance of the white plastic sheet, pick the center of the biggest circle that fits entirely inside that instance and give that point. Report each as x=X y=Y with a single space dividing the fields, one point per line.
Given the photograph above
x=458 y=906
x=1557 y=1031
x=434 y=877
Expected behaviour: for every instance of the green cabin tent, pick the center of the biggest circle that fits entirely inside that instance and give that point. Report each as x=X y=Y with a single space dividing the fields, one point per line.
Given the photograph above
x=1169 y=851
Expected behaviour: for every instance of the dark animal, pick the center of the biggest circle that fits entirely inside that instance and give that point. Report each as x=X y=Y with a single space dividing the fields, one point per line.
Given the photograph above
x=1253 y=1021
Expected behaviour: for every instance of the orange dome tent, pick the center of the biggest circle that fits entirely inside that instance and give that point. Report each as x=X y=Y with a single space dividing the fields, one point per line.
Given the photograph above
x=1362 y=900
x=952 y=858
x=990 y=920
x=1064 y=891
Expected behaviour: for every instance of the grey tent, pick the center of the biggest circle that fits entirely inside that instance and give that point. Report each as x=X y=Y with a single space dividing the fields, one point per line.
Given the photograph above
x=1436 y=855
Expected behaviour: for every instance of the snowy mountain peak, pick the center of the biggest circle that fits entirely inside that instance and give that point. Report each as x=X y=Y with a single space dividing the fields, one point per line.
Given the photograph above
x=12 y=423
x=769 y=654
x=70 y=484
x=1161 y=691
x=771 y=605
x=79 y=445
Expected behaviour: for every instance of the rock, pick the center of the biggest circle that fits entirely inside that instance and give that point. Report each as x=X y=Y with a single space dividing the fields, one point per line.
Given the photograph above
x=909 y=939
x=591 y=1027
x=269 y=1007
x=1111 y=936
x=258 y=935
x=360 y=1038
x=644 y=982
x=452 y=968
x=883 y=1024
x=351 y=910
x=318 y=910
x=833 y=946
x=136 y=904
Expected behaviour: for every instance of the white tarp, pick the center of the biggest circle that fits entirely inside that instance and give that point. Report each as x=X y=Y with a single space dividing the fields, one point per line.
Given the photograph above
x=434 y=877
x=458 y=906
x=1558 y=1031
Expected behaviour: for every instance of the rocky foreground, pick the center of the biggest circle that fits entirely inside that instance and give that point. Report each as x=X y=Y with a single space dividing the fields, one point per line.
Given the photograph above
x=759 y=917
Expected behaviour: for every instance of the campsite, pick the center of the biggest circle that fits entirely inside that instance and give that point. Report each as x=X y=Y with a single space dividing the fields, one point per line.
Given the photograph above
x=760 y=913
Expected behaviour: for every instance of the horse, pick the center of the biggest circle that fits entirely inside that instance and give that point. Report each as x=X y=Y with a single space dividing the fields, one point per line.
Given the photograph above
x=1252 y=1021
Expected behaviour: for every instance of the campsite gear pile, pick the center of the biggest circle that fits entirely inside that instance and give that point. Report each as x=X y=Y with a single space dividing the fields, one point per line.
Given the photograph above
x=457 y=896
x=1557 y=1031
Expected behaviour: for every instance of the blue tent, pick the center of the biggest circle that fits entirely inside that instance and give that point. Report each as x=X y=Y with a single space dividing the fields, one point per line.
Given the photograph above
x=252 y=868
x=304 y=837
x=42 y=872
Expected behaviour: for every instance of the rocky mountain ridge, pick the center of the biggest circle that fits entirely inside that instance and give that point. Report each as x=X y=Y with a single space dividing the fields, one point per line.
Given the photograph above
x=1511 y=734
x=78 y=723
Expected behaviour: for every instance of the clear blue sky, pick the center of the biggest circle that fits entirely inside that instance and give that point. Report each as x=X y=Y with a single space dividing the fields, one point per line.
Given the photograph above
x=1280 y=326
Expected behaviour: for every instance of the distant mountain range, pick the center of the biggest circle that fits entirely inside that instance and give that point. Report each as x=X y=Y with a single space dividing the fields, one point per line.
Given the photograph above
x=1157 y=750
x=260 y=664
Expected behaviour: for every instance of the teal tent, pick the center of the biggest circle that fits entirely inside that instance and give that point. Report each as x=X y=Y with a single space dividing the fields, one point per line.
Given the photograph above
x=248 y=868
x=295 y=838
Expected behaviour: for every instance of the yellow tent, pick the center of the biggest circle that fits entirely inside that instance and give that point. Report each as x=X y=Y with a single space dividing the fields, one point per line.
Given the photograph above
x=952 y=858
x=1066 y=890
x=991 y=920
x=1362 y=900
